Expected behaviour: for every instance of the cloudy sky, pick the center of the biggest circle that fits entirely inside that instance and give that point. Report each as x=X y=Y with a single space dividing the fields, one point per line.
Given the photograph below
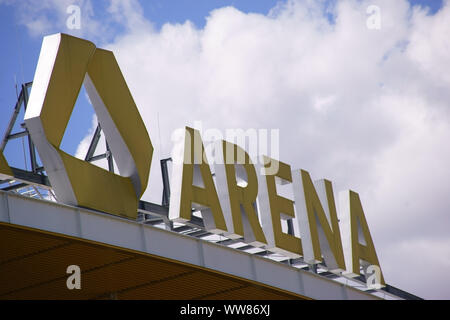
x=364 y=103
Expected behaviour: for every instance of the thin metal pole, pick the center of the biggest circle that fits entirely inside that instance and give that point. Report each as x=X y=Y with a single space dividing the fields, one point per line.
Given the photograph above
x=30 y=142
x=93 y=144
x=166 y=183
x=109 y=158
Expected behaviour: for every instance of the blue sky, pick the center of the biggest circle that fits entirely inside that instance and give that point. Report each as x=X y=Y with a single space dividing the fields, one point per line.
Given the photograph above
x=375 y=103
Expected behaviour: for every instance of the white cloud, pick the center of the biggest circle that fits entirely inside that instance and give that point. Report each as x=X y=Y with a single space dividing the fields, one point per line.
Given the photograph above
x=364 y=108
x=419 y=266
x=429 y=47
x=128 y=14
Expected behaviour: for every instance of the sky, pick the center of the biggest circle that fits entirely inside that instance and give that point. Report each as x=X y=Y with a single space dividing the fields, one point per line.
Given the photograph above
x=361 y=102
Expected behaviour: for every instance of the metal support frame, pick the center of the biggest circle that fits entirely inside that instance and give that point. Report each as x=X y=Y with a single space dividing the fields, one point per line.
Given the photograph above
x=15 y=186
x=290 y=227
x=109 y=158
x=166 y=183
x=93 y=146
x=12 y=121
x=31 y=148
x=22 y=100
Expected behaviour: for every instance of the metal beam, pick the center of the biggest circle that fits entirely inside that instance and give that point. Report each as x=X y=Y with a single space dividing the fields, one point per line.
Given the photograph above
x=155 y=221
x=30 y=177
x=30 y=142
x=153 y=208
x=312 y=268
x=329 y=275
x=228 y=242
x=98 y=157
x=290 y=227
x=109 y=158
x=400 y=293
x=93 y=144
x=245 y=247
x=149 y=207
x=17 y=135
x=166 y=183
x=182 y=228
x=14 y=186
x=199 y=233
x=263 y=253
x=12 y=121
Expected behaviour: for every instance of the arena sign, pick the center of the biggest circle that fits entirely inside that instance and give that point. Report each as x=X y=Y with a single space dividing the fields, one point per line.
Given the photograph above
x=239 y=201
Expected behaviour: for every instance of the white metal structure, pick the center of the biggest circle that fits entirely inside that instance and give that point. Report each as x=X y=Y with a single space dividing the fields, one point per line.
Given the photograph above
x=113 y=230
